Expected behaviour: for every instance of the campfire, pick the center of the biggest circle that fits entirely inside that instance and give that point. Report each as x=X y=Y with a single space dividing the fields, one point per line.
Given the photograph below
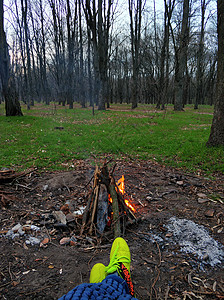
x=108 y=206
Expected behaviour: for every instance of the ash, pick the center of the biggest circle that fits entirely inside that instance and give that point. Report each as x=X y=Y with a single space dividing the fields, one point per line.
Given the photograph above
x=195 y=239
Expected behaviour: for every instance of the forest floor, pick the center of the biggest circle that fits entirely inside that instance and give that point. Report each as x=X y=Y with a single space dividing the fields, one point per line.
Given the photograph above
x=160 y=268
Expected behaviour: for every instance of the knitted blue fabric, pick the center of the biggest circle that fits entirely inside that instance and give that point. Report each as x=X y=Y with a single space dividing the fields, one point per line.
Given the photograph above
x=112 y=287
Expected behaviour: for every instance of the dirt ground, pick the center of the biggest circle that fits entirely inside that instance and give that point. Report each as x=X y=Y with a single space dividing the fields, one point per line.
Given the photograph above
x=159 y=269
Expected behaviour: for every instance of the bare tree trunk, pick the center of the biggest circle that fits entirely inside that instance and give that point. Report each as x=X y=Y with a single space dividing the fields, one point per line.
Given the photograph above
x=135 y=14
x=70 y=63
x=43 y=57
x=199 y=88
x=12 y=105
x=24 y=6
x=81 y=59
x=90 y=81
x=216 y=137
x=100 y=38
x=24 y=87
x=182 y=59
x=164 y=57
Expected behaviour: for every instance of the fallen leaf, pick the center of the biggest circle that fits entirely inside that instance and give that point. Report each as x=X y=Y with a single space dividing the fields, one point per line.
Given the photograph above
x=25 y=246
x=44 y=242
x=210 y=213
x=202 y=200
x=169 y=234
x=72 y=243
x=65 y=241
x=50 y=267
x=220 y=230
x=202 y=195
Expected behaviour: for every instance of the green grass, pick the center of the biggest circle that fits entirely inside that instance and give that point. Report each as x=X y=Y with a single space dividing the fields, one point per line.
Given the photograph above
x=174 y=138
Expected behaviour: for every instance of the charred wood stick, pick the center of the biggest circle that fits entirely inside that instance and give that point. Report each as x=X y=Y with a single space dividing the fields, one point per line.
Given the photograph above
x=86 y=214
x=94 y=208
x=115 y=207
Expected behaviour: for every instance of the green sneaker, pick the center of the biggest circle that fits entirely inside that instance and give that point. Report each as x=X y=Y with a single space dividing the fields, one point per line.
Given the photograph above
x=120 y=260
x=97 y=273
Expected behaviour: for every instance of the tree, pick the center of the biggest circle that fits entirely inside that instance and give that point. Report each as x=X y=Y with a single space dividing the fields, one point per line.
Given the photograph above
x=24 y=6
x=199 y=88
x=216 y=137
x=98 y=17
x=135 y=13
x=181 y=62
x=12 y=104
x=163 y=81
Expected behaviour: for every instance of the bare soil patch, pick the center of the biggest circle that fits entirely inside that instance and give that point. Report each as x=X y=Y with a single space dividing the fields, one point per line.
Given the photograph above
x=160 y=270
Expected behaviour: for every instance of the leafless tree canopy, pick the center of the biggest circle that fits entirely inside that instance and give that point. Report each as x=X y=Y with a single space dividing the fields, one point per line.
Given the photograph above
x=97 y=52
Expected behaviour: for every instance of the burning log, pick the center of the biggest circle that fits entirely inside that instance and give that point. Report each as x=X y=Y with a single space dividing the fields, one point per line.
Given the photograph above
x=106 y=204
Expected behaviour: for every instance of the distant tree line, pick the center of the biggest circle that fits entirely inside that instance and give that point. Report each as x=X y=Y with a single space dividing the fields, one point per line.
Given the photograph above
x=72 y=51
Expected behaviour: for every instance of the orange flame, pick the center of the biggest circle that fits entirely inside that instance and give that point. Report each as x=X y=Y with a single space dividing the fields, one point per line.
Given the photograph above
x=120 y=185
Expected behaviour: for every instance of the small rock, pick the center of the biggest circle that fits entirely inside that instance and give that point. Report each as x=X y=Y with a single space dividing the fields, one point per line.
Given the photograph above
x=9 y=234
x=180 y=182
x=59 y=216
x=21 y=232
x=45 y=187
x=33 y=241
x=16 y=227
x=65 y=241
x=201 y=195
x=80 y=211
x=35 y=228
x=16 y=235
x=70 y=217
x=210 y=213
x=202 y=200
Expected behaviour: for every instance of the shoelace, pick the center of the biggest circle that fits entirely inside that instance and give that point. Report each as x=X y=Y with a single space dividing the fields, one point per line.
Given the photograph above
x=115 y=263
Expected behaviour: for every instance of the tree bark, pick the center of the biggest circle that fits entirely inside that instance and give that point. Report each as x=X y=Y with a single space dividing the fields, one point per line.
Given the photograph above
x=199 y=76
x=135 y=14
x=181 y=67
x=12 y=105
x=100 y=28
x=216 y=137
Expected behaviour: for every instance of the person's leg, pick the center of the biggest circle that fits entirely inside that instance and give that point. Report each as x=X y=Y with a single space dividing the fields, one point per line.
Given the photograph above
x=112 y=287
x=120 y=260
x=111 y=282
x=97 y=273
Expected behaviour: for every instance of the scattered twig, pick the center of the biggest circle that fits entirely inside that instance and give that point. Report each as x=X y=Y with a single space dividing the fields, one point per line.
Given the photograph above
x=153 y=285
x=9 y=269
x=37 y=290
x=23 y=186
x=167 y=293
x=146 y=233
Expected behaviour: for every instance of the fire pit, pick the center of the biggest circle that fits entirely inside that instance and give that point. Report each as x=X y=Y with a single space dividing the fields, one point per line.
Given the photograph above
x=108 y=205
